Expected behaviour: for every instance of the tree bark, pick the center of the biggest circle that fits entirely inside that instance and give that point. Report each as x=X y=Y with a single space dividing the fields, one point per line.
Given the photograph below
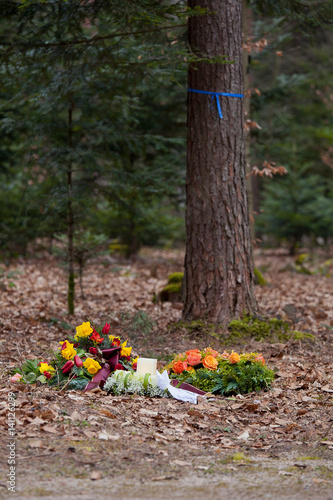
x=218 y=280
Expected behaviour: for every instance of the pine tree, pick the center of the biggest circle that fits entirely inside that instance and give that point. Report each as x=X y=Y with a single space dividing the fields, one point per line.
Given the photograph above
x=219 y=282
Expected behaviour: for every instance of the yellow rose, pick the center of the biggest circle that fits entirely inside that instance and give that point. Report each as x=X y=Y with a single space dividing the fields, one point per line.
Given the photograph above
x=92 y=366
x=83 y=330
x=44 y=367
x=69 y=352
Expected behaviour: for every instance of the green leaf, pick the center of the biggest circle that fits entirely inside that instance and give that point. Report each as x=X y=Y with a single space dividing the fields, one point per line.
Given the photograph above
x=231 y=386
x=42 y=379
x=31 y=377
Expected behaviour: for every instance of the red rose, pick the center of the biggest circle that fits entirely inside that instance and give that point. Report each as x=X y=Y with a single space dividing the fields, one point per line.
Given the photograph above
x=92 y=350
x=119 y=367
x=76 y=344
x=67 y=367
x=78 y=361
x=47 y=374
x=126 y=358
x=134 y=366
x=116 y=342
x=106 y=328
x=96 y=337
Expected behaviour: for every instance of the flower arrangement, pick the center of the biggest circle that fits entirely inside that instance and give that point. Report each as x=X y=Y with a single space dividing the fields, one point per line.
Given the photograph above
x=82 y=362
x=221 y=373
x=121 y=382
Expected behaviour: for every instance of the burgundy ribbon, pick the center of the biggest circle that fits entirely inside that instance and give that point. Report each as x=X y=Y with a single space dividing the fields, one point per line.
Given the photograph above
x=112 y=359
x=187 y=387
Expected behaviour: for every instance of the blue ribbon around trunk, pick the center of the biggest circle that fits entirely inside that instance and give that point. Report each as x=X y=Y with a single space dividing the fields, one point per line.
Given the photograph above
x=216 y=95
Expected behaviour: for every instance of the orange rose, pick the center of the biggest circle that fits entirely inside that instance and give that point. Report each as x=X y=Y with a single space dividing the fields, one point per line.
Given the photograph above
x=192 y=351
x=210 y=362
x=194 y=359
x=190 y=369
x=260 y=359
x=234 y=358
x=179 y=366
x=211 y=352
x=225 y=355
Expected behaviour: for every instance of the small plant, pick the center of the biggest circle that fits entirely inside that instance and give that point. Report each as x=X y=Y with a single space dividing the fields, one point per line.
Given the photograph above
x=7 y=278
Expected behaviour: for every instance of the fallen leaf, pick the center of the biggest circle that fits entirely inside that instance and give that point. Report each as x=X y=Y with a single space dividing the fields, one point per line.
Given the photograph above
x=180 y=462
x=75 y=416
x=327 y=388
x=245 y=435
x=49 y=428
x=105 y=436
x=195 y=413
x=95 y=475
x=36 y=444
x=89 y=434
x=163 y=478
x=37 y=421
x=107 y=413
x=317 y=481
x=149 y=413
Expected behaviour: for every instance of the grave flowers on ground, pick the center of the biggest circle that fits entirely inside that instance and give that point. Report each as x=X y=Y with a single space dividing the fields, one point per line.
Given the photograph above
x=83 y=362
x=221 y=373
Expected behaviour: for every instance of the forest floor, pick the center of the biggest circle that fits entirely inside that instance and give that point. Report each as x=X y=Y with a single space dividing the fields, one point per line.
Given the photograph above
x=267 y=445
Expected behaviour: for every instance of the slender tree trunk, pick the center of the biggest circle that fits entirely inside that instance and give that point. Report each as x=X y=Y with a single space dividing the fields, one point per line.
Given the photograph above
x=246 y=25
x=70 y=222
x=218 y=281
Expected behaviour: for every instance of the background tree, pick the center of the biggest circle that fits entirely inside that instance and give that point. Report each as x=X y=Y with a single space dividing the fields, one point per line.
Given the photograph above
x=81 y=71
x=294 y=111
x=218 y=281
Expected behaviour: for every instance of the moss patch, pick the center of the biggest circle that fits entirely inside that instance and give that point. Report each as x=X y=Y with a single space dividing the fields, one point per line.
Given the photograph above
x=259 y=279
x=172 y=292
x=175 y=278
x=264 y=329
x=259 y=328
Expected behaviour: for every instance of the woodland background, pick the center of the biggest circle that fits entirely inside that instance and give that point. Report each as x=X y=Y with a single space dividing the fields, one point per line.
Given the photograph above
x=98 y=130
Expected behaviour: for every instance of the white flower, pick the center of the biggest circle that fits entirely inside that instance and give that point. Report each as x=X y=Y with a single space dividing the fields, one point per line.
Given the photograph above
x=121 y=382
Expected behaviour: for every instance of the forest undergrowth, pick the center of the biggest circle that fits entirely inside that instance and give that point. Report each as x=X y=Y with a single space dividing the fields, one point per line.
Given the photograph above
x=152 y=448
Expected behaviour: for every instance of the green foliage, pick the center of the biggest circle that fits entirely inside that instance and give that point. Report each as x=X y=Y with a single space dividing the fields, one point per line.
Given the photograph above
x=305 y=14
x=30 y=371
x=138 y=323
x=240 y=378
x=293 y=111
x=86 y=98
x=78 y=384
x=297 y=206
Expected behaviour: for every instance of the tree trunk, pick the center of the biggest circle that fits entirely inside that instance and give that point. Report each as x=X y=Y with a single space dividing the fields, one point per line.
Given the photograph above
x=218 y=281
x=70 y=222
